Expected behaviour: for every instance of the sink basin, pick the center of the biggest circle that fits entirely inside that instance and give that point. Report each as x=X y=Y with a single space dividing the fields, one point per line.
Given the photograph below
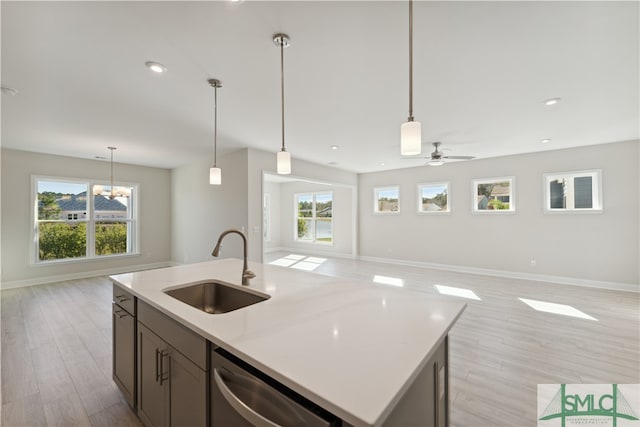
x=216 y=297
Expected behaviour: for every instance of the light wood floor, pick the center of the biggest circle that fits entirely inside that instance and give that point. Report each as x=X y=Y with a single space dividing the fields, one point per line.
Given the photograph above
x=56 y=346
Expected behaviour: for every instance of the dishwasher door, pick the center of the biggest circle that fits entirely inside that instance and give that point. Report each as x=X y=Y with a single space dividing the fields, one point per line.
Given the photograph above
x=240 y=398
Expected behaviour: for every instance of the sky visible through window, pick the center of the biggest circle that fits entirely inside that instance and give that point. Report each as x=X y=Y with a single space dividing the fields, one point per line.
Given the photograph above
x=432 y=191
x=61 y=187
x=389 y=194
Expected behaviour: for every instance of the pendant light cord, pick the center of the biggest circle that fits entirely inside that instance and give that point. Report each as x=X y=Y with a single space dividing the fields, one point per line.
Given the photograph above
x=112 y=195
x=410 y=60
x=282 y=41
x=215 y=126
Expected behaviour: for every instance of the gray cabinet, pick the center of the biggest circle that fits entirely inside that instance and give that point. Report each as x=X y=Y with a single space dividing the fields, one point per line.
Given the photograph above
x=124 y=343
x=172 y=372
x=425 y=403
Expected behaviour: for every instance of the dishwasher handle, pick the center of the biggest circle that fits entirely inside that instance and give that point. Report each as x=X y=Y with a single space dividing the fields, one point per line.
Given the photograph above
x=241 y=408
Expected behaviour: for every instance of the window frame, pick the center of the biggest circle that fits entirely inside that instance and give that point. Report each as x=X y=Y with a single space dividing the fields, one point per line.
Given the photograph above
x=419 y=204
x=596 y=192
x=132 y=221
x=376 y=199
x=512 y=195
x=313 y=218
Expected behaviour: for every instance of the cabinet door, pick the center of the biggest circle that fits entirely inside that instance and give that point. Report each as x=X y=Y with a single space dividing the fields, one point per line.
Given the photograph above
x=188 y=392
x=153 y=380
x=124 y=353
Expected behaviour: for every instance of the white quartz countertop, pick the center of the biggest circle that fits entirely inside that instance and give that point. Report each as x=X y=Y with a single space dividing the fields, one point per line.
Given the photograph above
x=352 y=347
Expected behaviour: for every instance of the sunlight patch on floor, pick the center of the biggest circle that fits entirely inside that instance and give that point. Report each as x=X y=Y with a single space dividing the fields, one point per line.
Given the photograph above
x=457 y=292
x=299 y=262
x=393 y=281
x=550 y=307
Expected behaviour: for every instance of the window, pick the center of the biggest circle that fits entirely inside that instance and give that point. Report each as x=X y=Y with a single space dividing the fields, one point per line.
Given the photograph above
x=573 y=191
x=314 y=214
x=433 y=197
x=386 y=200
x=69 y=224
x=493 y=195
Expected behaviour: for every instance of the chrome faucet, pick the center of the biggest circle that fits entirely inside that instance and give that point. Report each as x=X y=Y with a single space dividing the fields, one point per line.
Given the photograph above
x=246 y=273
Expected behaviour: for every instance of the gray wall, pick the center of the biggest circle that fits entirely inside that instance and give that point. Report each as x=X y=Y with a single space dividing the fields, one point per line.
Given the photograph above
x=273 y=188
x=201 y=211
x=154 y=220
x=592 y=247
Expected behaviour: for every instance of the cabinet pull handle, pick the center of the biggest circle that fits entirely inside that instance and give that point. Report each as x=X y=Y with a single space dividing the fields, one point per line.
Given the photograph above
x=162 y=376
x=122 y=298
x=157 y=365
x=241 y=408
x=120 y=316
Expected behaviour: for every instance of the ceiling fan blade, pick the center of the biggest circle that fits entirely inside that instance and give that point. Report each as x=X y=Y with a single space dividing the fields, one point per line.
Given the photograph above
x=415 y=158
x=459 y=157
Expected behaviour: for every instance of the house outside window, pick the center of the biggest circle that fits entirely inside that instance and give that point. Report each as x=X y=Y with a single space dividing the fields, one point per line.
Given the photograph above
x=314 y=217
x=70 y=225
x=493 y=195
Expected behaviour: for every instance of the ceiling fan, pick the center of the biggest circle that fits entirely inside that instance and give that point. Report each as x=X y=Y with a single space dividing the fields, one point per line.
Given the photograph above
x=437 y=157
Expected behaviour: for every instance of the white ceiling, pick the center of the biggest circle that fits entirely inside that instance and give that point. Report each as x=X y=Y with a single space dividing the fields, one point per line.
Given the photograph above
x=482 y=71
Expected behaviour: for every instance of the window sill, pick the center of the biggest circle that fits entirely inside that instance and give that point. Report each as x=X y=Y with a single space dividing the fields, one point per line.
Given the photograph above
x=83 y=260
x=573 y=211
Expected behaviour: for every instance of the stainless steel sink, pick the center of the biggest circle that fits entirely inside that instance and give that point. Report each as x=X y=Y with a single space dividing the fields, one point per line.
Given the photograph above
x=216 y=297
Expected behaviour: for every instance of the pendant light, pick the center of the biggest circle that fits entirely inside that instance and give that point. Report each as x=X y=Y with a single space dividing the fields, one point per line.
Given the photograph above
x=410 y=131
x=215 y=173
x=98 y=190
x=284 y=157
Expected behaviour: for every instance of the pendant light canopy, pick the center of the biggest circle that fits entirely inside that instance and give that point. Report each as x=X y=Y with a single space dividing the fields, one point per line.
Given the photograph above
x=284 y=157
x=410 y=131
x=215 y=173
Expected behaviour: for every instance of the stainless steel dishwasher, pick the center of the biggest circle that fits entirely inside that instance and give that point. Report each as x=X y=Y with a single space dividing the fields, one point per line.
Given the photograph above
x=244 y=396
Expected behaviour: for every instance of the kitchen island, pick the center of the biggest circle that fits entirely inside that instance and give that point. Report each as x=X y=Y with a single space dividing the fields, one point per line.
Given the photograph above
x=355 y=349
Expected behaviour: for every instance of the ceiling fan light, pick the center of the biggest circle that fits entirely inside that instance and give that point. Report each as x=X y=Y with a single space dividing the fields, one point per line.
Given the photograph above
x=410 y=138
x=436 y=163
x=284 y=163
x=215 y=176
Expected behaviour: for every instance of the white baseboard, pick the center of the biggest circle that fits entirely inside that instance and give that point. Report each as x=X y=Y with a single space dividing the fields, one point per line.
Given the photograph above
x=83 y=275
x=617 y=286
x=312 y=252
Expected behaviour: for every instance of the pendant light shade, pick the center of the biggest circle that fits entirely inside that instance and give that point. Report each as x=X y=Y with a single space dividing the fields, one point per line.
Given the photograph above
x=283 y=157
x=284 y=163
x=410 y=131
x=215 y=173
x=215 y=176
x=410 y=138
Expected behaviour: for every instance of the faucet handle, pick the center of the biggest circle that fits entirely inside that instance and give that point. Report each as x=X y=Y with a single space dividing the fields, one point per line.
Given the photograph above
x=248 y=274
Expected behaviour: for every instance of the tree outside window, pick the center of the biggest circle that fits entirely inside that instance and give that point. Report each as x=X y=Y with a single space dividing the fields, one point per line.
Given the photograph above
x=314 y=214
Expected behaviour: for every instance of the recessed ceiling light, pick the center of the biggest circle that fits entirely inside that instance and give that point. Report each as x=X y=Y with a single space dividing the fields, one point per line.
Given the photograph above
x=334 y=147
x=156 y=67
x=545 y=141
x=381 y=163
x=551 y=101
x=6 y=90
